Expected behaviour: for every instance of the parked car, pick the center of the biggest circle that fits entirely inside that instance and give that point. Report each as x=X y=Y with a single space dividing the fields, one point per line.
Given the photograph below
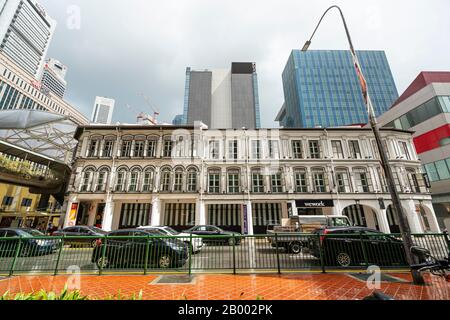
x=197 y=243
x=224 y=237
x=124 y=249
x=78 y=232
x=356 y=246
x=31 y=245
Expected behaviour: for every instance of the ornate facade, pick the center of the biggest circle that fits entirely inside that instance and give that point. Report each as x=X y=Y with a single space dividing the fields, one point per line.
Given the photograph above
x=126 y=176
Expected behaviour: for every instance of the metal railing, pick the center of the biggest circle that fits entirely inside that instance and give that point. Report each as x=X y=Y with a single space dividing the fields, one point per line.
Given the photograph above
x=229 y=254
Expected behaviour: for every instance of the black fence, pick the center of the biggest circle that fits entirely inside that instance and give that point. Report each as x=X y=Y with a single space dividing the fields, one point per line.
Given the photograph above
x=195 y=254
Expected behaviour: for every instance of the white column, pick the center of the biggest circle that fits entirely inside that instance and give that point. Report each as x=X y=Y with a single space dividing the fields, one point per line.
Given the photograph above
x=432 y=220
x=108 y=215
x=200 y=213
x=413 y=216
x=294 y=208
x=156 y=212
x=383 y=221
x=249 y=218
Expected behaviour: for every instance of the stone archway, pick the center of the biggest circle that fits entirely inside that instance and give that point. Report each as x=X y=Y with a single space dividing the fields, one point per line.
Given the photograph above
x=362 y=215
x=427 y=219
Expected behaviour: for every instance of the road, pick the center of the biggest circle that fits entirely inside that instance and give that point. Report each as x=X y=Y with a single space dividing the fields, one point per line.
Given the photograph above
x=251 y=254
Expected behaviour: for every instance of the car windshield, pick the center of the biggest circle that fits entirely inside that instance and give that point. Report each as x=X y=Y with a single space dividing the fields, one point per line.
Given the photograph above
x=171 y=231
x=97 y=230
x=35 y=233
x=339 y=222
x=24 y=233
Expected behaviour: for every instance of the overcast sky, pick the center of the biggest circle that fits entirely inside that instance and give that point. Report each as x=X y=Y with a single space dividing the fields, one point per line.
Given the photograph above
x=123 y=48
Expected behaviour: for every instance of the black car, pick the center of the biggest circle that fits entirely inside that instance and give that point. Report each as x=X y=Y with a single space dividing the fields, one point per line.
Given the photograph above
x=75 y=235
x=131 y=248
x=31 y=245
x=223 y=237
x=355 y=246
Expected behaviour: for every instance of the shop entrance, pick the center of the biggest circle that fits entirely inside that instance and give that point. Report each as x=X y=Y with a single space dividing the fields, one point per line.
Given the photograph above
x=264 y=215
x=225 y=216
x=179 y=216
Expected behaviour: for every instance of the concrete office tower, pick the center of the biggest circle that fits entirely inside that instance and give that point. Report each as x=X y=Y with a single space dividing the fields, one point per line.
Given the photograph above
x=53 y=77
x=25 y=33
x=321 y=88
x=103 y=110
x=223 y=99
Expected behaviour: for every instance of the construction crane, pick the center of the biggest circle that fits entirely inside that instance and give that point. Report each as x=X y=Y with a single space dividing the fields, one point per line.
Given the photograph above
x=141 y=116
x=150 y=105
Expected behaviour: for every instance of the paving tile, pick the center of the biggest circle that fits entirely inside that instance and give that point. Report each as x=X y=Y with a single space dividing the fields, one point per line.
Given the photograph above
x=226 y=287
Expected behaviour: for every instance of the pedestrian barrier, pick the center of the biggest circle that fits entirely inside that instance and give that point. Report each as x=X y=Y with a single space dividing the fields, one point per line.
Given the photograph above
x=236 y=254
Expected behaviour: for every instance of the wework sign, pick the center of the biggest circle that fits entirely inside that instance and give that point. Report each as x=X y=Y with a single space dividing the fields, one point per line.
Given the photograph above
x=314 y=203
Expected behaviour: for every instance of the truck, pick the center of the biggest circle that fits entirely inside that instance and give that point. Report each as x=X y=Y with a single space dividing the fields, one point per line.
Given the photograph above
x=294 y=233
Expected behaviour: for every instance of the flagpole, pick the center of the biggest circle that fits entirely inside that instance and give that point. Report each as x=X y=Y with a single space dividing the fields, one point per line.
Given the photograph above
x=396 y=204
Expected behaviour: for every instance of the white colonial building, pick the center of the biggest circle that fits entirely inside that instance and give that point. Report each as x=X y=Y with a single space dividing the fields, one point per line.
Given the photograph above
x=130 y=175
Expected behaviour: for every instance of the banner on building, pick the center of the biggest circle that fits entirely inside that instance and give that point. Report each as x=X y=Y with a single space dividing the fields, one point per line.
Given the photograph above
x=73 y=214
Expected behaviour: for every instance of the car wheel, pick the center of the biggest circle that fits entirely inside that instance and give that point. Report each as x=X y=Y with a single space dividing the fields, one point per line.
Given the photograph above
x=102 y=262
x=343 y=259
x=295 y=247
x=164 y=262
x=231 y=241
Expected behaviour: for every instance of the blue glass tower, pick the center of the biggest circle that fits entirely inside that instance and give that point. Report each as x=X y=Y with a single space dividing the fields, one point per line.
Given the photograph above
x=321 y=88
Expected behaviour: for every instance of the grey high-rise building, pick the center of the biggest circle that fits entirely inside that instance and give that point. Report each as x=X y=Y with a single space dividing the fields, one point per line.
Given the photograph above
x=25 y=33
x=53 y=77
x=223 y=99
x=103 y=110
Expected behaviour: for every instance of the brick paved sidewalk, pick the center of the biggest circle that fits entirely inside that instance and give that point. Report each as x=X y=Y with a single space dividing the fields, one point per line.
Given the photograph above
x=234 y=287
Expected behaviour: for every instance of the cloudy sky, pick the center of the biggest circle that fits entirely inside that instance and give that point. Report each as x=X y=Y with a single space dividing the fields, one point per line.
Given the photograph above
x=120 y=49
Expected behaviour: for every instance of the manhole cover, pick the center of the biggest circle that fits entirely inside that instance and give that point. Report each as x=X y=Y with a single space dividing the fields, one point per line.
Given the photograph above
x=383 y=277
x=173 y=279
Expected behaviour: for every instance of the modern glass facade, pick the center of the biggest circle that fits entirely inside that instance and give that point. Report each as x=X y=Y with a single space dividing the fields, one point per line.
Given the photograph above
x=321 y=88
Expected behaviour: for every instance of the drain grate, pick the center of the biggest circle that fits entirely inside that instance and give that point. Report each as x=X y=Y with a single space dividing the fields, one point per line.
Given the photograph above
x=174 y=279
x=383 y=277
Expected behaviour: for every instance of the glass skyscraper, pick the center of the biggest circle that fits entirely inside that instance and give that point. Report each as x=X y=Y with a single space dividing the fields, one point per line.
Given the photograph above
x=321 y=88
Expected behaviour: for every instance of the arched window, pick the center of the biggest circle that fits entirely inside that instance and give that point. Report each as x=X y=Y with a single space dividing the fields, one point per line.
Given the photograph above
x=342 y=180
x=121 y=178
x=125 y=146
x=214 y=181
x=93 y=147
x=87 y=179
x=178 y=180
x=362 y=180
x=165 y=180
x=233 y=181
x=102 y=179
x=276 y=184
x=133 y=185
x=320 y=180
x=139 y=147
x=152 y=143
x=300 y=180
x=412 y=180
x=257 y=181
x=192 y=180
x=148 y=181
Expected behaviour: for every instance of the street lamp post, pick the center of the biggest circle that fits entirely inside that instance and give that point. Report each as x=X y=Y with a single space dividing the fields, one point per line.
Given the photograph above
x=398 y=209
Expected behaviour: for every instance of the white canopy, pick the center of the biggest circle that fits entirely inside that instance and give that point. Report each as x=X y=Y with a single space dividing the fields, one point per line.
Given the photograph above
x=40 y=132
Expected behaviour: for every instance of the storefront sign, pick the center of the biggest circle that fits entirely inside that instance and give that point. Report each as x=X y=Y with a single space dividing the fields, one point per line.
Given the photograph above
x=314 y=203
x=73 y=215
x=244 y=210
